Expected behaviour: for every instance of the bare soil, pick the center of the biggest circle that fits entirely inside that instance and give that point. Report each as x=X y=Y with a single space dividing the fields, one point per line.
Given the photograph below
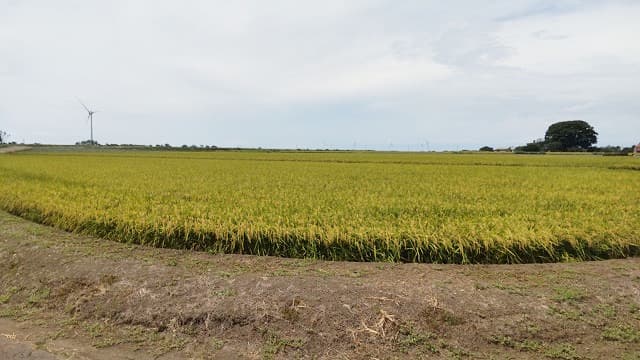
x=69 y=296
x=13 y=148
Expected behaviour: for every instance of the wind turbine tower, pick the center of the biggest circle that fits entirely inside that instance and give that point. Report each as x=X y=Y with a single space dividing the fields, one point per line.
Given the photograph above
x=89 y=117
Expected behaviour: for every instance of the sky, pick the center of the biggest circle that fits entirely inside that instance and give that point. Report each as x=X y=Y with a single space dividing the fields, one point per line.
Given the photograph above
x=379 y=74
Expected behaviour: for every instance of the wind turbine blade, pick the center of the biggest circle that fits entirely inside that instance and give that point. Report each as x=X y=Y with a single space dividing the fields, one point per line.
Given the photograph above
x=83 y=105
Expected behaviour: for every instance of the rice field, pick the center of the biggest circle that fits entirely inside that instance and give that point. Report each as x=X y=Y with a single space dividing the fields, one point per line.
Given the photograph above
x=357 y=206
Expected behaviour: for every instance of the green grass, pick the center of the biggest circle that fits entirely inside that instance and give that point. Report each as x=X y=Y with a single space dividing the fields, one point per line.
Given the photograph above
x=562 y=352
x=621 y=333
x=359 y=206
x=6 y=296
x=570 y=295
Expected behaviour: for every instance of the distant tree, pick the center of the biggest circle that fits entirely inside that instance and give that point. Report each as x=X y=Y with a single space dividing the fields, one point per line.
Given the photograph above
x=486 y=148
x=627 y=150
x=570 y=135
x=532 y=147
x=87 y=142
x=3 y=136
x=609 y=149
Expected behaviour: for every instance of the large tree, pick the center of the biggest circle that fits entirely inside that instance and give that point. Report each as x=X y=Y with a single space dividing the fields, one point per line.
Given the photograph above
x=570 y=135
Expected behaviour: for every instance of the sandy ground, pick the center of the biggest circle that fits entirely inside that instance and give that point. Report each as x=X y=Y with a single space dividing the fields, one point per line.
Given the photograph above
x=10 y=149
x=68 y=296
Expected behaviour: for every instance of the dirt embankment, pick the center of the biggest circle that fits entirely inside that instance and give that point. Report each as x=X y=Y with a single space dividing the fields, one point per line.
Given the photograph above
x=11 y=149
x=63 y=295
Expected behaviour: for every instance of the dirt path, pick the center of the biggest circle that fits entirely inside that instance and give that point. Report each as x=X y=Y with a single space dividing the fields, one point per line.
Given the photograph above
x=79 y=297
x=10 y=149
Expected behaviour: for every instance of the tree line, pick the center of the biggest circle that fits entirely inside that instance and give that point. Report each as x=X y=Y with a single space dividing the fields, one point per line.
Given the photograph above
x=568 y=136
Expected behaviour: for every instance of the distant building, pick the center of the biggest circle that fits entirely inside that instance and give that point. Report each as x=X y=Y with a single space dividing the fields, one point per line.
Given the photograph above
x=636 y=150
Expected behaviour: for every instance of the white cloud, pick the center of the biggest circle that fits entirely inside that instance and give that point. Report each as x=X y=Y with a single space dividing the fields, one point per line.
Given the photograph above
x=593 y=41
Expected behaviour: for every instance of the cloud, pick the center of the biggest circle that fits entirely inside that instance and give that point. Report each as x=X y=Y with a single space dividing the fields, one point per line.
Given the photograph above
x=574 y=43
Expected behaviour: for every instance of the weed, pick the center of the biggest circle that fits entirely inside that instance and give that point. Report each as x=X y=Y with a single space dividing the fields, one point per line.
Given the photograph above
x=4 y=298
x=511 y=289
x=570 y=295
x=38 y=296
x=563 y=352
x=530 y=345
x=409 y=338
x=569 y=314
x=276 y=344
x=501 y=340
x=605 y=310
x=621 y=333
x=216 y=344
x=631 y=356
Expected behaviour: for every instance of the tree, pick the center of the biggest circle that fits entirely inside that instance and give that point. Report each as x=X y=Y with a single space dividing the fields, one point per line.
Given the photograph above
x=533 y=147
x=87 y=142
x=3 y=136
x=570 y=135
x=486 y=148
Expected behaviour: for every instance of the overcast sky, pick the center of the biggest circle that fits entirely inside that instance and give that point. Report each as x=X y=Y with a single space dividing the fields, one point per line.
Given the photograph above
x=294 y=73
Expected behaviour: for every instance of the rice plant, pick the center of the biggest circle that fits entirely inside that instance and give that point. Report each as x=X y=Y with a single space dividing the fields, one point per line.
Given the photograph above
x=357 y=206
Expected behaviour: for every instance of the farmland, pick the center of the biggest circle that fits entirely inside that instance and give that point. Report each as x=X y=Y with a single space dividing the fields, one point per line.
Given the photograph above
x=357 y=206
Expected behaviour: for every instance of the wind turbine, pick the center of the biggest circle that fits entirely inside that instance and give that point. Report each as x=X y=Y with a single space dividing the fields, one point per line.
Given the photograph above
x=89 y=117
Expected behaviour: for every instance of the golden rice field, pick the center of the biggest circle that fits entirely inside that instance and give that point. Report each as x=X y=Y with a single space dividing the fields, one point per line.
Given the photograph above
x=360 y=206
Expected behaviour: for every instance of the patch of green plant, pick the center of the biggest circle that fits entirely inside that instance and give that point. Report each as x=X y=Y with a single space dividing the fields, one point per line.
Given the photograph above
x=9 y=313
x=567 y=294
x=4 y=298
x=562 y=352
x=530 y=345
x=38 y=296
x=621 y=333
x=216 y=343
x=567 y=314
x=276 y=344
x=501 y=340
x=631 y=356
x=511 y=289
x=409 y=338
x=224 y=292
x=172 y=262
x=95 y=330
x=605 y=310
x=283 y=272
